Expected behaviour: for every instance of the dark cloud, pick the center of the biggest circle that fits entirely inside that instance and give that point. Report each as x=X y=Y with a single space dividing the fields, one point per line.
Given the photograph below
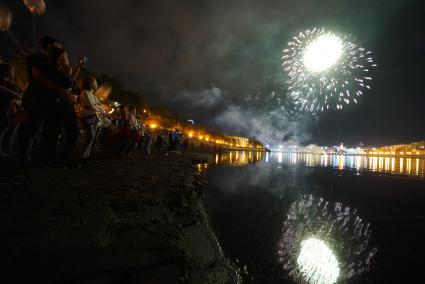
x=173 y=51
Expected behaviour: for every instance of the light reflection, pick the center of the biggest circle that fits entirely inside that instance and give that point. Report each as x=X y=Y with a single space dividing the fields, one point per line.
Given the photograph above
x=374 y=164
x=394 y=165
x=380 y=164
x=409 y=165
x=351 y=159
x=317 y=262
x=314 y=249
x=293 y=158
x=279 y=157
x=324 y=160
x=358 y=163
x=239 y=158
x=341 y=159
x=387 y=164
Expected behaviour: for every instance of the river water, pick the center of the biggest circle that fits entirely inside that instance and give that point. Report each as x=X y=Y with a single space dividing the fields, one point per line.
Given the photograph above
x=250 y=195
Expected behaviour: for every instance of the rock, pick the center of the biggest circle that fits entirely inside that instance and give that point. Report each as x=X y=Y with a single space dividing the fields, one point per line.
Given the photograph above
x=114 y=221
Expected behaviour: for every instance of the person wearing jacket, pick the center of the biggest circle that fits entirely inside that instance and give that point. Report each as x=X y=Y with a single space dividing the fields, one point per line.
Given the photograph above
x=60 y=111
x=91 y=112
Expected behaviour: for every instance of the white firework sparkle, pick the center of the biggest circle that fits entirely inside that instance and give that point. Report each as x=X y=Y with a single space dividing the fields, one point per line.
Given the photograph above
x=323 y=244
x=326 y=70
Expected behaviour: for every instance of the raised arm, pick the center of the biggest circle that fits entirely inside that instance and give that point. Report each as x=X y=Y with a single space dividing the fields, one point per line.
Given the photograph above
x=76 y=70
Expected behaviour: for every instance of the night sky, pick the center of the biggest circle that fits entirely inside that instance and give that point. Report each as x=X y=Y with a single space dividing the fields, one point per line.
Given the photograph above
x=207 y=58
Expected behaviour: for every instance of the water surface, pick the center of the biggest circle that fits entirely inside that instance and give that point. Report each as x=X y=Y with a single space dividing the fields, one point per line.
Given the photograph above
x=250 y=193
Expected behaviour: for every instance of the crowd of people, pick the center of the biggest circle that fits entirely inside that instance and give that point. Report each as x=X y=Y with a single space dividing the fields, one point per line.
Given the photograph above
x=59 y=113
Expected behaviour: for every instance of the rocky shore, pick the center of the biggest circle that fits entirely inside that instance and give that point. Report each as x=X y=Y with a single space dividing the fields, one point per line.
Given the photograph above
x=136 y=220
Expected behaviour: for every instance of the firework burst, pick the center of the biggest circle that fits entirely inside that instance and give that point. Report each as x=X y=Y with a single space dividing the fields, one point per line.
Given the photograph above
x=321 y=246
x=326 y=70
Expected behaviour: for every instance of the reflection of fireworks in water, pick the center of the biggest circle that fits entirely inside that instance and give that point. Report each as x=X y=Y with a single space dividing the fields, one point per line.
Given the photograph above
x=326 y=70
x=318 y=246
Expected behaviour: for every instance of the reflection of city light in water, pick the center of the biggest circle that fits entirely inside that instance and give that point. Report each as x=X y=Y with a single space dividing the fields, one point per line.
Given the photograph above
x=358 y=163
x=317 y=262
x=387 y=164
x=374 y=167
x=380 y=164
x=308 y=160
x=280 y=157
x=341 y=162
x=351 y=160
x=394 y=165
x=293 y=159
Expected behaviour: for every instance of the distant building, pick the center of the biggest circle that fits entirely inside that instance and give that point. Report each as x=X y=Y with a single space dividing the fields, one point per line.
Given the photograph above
x=314 y=149
x=414 y=148
x=243 y=142
x=238 y=141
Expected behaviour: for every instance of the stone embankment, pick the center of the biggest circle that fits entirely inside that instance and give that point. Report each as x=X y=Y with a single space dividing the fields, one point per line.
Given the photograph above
x=136 y=220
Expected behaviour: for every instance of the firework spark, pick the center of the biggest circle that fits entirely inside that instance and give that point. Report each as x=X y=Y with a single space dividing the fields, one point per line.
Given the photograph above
x=326 y=70
x=321 y=246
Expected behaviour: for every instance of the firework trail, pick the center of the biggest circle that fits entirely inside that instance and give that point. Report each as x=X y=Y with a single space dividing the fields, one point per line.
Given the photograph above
x=324 y=245
x=326 y=70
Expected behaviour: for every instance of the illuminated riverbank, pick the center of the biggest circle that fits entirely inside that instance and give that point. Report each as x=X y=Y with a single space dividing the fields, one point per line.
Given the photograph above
x=410 y=166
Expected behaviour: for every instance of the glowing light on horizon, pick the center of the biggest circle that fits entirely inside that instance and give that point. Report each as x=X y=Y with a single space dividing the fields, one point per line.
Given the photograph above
x=326 y=70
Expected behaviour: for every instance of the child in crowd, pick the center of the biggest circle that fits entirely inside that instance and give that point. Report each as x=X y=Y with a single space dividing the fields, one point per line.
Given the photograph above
x=91 y=113
x=122 y=140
